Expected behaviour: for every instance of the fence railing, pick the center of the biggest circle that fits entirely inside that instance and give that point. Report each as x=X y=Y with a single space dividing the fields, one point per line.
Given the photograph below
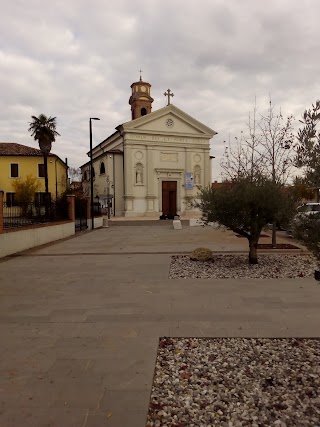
x=24 y=214
x=97 y=209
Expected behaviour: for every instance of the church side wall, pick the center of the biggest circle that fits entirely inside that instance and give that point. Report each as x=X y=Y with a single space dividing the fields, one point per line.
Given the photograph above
x=113 y=167
x=118 y=185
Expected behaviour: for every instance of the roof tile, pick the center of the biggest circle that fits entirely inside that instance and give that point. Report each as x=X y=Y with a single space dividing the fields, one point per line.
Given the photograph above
x=14 y=149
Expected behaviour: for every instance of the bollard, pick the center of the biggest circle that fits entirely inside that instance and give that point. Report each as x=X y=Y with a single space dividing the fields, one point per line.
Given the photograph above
x=105 y=222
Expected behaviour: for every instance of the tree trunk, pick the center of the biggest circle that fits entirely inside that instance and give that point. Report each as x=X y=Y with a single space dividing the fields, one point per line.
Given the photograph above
x=274 y=234
x=253 y=248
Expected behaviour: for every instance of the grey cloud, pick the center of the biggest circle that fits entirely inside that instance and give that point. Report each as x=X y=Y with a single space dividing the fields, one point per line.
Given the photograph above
x=76 y=61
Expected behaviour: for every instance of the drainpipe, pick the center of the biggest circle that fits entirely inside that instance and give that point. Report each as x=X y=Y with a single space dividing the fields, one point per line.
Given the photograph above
x=114 y=187
x=67 y=179
x=55 y=168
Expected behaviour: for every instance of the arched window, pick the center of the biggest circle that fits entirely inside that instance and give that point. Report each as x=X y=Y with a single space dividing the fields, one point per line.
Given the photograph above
x=102 y=169
x=143 y=111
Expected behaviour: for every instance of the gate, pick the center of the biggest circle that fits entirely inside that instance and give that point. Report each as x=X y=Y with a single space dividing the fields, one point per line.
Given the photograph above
x=81 y=214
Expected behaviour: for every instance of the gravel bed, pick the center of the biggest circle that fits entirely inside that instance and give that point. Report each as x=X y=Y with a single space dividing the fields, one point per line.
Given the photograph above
x=273 y=266
x=233 y=382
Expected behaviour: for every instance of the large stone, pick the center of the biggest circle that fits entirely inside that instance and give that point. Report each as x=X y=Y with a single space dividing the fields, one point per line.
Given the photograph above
x=202 y=254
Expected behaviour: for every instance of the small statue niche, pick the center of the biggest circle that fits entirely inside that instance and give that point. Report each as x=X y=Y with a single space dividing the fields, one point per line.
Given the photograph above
x=139 y=174
x=197 y=175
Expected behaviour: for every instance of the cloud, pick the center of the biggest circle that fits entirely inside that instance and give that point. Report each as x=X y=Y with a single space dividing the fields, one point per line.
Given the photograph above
x=75 y=60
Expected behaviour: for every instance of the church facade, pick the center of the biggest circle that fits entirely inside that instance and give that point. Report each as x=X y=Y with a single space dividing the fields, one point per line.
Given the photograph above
x=155 y=163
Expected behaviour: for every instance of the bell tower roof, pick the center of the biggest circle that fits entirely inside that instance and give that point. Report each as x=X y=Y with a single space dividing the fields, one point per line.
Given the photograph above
x=140 y=99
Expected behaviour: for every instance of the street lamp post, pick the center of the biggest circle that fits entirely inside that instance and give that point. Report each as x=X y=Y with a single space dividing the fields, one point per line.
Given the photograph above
x=91 y=172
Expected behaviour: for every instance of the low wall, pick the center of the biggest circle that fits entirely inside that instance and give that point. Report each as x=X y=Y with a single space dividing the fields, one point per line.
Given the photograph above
x=98 y=220
x=19 y=240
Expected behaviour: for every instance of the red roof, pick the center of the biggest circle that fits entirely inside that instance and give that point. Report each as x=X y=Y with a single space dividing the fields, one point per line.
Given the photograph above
x=216 y=184
x=14 y=149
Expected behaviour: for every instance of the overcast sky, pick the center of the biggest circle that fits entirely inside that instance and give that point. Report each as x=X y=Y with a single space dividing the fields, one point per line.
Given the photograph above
x=76 y=59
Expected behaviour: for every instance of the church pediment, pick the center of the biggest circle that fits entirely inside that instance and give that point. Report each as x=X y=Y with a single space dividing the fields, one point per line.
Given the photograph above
x=169 y=120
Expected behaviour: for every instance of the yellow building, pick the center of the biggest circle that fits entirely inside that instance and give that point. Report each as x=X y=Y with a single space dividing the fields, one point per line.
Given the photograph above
x=18 y=161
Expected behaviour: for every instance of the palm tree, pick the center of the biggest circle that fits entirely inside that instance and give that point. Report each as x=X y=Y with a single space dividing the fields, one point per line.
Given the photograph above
x=43 y=129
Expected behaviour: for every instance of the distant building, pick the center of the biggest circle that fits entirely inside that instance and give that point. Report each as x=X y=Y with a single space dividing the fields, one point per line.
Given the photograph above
x=18 y=161
x=154 y=162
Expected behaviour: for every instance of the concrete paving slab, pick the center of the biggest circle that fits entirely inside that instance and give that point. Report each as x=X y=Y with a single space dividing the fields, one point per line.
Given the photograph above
x=91 y=324
x=154 y=239
x=27 y=417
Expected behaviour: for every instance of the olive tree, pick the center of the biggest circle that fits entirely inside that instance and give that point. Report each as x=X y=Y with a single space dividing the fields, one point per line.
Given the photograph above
x=245 y=205
x=308 y=147
x=307 y=230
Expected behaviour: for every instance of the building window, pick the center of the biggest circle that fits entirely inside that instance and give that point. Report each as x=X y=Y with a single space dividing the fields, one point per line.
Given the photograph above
x=102 y=169
x=143 y=111
x=85 y=176
x=10 y=200
x=40 y=198
x=93 y=173
x=41 y=170
x=14 y=170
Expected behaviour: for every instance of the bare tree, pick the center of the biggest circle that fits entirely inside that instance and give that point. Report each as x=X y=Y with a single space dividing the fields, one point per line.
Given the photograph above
x=266 y=149
x=74 y=174
x=277 y=149
x=243 y=159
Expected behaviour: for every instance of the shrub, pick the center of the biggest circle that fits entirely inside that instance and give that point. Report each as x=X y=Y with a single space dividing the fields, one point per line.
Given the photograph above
x=307 y=230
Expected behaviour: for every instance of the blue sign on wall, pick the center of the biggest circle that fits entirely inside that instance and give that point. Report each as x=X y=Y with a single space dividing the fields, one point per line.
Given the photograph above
x=189 y=181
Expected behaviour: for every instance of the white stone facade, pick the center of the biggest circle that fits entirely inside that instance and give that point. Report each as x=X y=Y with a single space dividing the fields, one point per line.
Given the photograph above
x=144 y=153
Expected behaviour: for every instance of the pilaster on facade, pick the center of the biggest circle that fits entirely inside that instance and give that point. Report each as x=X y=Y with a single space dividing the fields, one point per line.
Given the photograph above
x=207 y=168
x=188 y=160
x=128 y=170
x=150 y=172
x=1 y=212
x=128 y=205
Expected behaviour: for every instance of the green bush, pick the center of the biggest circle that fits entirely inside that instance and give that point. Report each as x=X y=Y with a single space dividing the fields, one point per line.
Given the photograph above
x=307 y=230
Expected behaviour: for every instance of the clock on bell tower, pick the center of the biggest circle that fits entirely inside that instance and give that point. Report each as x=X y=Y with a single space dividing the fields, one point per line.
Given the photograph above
x=140 y=99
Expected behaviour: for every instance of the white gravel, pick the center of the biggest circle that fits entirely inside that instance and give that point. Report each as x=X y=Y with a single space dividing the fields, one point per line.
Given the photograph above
x=237 y=266
x=236 y=382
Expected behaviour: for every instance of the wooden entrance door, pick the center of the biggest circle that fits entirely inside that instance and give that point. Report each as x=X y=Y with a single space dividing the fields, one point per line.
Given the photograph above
x=169 y=198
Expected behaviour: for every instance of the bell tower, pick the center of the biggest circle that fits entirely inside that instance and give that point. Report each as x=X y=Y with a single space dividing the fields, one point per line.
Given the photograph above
x=140 y=99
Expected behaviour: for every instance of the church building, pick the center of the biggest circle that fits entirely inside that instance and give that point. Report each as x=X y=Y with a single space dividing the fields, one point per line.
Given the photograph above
x=155 y=163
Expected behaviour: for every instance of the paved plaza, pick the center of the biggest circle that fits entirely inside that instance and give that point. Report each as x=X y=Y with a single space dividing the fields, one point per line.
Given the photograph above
x=80 y=321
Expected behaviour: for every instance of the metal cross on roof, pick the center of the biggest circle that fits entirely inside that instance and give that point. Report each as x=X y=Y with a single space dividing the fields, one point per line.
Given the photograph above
x=140 y=71
x=168 y=94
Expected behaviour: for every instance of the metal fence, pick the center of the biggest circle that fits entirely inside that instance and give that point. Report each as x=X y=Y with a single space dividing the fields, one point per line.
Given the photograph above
x=81 y=214
x=23 y=214
x=97 y=209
